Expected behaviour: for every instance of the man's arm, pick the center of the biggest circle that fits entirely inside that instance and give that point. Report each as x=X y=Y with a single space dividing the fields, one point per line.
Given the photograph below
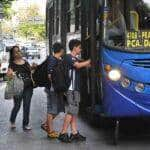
x=83 y=64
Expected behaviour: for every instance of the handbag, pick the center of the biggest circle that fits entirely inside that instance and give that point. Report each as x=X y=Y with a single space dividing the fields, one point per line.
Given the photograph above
x=14 y=87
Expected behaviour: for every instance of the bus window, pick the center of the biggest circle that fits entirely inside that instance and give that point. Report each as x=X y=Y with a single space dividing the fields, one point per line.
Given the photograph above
x=143 y=10
x=116 y=25
x=124 y=16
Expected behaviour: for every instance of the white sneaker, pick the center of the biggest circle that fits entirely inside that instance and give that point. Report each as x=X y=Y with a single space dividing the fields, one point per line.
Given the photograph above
x=13 y=126
x=27 y=128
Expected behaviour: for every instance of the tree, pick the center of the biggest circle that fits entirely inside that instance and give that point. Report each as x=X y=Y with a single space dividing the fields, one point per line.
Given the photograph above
x=29 y=26
x=26 y=22
x=28 y=14
x=32 y=30
x=6 y=7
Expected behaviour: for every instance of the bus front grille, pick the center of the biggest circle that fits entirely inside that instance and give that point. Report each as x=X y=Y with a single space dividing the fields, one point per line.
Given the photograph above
x=145 y=63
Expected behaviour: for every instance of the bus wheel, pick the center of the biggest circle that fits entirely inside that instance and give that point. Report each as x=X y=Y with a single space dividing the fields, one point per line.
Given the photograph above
x=116 y=132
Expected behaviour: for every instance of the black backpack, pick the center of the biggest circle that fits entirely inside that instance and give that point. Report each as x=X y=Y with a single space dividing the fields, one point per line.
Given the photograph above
x=60 y=77
x=40 y=75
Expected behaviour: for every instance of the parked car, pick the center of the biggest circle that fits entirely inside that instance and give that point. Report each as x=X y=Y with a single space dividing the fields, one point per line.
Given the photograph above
x=33 y=52
x=4 y=60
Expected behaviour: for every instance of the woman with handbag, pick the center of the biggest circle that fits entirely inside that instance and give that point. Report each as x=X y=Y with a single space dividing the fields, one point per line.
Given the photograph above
x=20 y=67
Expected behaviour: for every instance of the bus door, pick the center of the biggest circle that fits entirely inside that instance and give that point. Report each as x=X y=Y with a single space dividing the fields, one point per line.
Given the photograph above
x=90 y=43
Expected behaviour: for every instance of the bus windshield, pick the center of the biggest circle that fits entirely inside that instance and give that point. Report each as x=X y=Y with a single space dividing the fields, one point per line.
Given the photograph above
x=127 y=24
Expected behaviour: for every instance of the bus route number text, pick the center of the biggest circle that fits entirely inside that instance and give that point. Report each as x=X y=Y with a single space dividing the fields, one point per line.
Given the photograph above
x=138 y=39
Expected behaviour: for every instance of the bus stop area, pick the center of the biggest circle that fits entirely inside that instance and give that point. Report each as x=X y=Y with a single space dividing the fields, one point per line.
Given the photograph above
x=90 y=56
x=97 y=138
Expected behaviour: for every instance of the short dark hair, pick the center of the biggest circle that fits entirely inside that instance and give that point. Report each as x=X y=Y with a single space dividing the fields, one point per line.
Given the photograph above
x=57 y=47
x=74 y=43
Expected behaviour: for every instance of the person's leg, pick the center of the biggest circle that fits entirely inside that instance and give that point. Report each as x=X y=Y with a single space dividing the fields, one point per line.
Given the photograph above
x=64 y=137
x=68 y=116
x=51 y=114
x=75 y=110
x=49 y=123
x=50 y=117
x=74 y=125
x=50 y=131
x=14 y=112
x=44 y=124
x=27 y=95
x=75 y=135
x=67 y=121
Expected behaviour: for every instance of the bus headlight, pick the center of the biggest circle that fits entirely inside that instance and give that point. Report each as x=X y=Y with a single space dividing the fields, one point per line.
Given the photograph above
x=125 y=83
x=139 y=87
x=114 y=75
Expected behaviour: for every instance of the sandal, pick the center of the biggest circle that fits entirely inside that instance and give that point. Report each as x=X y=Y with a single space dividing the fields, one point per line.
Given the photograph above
x=53 y=134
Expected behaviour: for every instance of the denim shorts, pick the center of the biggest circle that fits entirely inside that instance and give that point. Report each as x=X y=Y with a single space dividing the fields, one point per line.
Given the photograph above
x=55 y=103
x=73 y=100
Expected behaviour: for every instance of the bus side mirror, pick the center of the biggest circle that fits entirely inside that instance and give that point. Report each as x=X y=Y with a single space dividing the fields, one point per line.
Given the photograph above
x=134 y=20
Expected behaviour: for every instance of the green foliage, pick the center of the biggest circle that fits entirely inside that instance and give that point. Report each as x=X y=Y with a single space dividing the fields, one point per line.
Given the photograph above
x=32 y=30
x=6 y=7
x=28 y=25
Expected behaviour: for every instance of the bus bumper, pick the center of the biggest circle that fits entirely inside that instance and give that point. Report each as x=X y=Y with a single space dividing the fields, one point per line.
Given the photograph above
x=121 y=102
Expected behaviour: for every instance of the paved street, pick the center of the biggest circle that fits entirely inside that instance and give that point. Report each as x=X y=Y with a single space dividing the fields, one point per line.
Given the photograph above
x=97 y=139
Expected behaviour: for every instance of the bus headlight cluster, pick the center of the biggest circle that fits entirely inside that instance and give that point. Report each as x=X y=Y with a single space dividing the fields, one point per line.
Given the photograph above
x=114 y=75
x=125 y=83
x=139 y=87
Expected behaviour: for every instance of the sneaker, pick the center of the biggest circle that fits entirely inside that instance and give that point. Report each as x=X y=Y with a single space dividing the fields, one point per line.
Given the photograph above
x=64 y=138
x=52 y=134
x=13 y=126
x=27 y=128
x=77 y=137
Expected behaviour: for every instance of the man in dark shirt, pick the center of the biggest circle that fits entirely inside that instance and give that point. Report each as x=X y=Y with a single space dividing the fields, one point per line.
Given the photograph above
x=73 y=93
x=54 y=101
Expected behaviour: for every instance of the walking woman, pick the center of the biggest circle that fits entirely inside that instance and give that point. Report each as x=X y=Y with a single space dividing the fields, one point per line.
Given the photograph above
x=22 y=69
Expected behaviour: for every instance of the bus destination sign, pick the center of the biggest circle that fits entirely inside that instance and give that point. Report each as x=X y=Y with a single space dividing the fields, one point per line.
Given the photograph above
x=138 y=39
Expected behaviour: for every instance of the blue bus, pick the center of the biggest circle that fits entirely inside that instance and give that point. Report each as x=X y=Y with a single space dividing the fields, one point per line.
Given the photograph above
x=115 y=34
